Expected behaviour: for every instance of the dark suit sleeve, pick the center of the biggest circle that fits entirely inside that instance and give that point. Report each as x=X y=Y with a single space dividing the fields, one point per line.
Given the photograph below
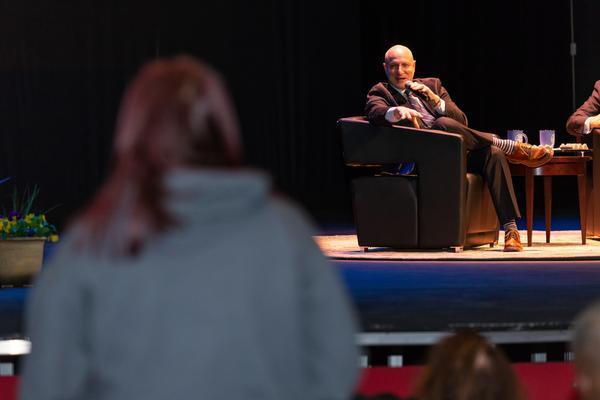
x=377 y=105
x=590 y=108
x=451 y=109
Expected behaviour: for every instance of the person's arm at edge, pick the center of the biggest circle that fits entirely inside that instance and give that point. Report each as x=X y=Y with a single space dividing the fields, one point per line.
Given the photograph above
x=331 y=331
x=330 y=323
x=56 y=366
x=579 y=122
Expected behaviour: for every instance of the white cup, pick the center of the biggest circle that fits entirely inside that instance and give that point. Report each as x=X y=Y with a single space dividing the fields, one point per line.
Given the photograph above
x=547 y=137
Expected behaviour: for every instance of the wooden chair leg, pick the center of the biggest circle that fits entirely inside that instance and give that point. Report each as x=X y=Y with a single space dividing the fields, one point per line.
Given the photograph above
x=529 y=203
x=548 y=205
x=581 y=182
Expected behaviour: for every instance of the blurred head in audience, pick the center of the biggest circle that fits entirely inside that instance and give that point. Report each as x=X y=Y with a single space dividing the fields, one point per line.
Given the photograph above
x=465 y=366
x=586 y=345
x=176 y=113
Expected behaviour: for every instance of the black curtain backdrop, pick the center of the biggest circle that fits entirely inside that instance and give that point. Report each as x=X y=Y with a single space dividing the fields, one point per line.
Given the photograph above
x=587 y=60
x=64 y=67
x=293 y=67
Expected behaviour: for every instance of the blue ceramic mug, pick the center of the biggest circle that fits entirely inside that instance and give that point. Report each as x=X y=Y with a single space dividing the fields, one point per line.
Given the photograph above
x=517 y=135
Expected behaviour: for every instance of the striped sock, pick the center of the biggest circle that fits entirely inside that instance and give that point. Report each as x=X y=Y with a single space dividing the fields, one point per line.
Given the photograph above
x=511 y=224
x=507 y=146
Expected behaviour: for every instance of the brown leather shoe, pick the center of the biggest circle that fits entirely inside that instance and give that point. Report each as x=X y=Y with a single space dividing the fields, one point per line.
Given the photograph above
x=512 y=240
x=530 y=155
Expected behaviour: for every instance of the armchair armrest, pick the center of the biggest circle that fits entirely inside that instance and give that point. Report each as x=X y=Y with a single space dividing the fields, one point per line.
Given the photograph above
x=441 y=165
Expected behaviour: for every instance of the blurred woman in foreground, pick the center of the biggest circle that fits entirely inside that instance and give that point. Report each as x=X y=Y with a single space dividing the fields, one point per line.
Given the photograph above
x=185 y=277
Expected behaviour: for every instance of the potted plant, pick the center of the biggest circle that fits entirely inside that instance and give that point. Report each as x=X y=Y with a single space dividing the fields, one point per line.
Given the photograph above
x=23 y=233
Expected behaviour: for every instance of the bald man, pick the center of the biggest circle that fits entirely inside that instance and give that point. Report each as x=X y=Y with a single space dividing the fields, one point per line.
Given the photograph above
x=586 y=346
x=426 y=103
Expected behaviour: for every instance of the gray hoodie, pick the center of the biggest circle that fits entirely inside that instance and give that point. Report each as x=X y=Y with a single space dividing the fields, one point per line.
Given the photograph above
x=235 y=303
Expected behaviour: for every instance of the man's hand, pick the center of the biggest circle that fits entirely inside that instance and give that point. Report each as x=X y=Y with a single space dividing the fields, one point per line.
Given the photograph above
x=395 y=114
x=595 y=122
x=432 y=98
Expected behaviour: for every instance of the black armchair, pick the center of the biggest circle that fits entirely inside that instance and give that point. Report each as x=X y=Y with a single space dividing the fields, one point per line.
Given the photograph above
x=442 y=206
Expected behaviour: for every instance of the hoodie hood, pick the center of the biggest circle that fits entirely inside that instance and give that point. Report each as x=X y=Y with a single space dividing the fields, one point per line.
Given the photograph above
x=209 y=194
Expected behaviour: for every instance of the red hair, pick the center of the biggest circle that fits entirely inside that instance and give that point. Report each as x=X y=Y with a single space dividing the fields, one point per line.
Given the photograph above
x=176 y=112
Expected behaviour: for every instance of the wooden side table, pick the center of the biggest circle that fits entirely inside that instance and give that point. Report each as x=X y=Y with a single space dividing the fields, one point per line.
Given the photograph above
x=559 y=165
x=594 y=209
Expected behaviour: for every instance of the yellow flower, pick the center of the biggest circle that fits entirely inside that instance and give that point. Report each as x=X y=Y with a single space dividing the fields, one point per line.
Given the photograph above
x=53 y=238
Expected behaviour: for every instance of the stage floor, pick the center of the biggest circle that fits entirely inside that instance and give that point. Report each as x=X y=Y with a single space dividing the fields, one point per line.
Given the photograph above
x=412 y=297
x=417 y=297
x=565 y=245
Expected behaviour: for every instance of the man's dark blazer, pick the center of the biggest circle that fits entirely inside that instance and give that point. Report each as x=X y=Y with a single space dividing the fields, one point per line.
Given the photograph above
x=382 y=96
x=590 y=108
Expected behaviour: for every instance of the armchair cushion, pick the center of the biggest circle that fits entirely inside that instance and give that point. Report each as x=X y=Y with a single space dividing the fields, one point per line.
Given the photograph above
x=385 y=210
